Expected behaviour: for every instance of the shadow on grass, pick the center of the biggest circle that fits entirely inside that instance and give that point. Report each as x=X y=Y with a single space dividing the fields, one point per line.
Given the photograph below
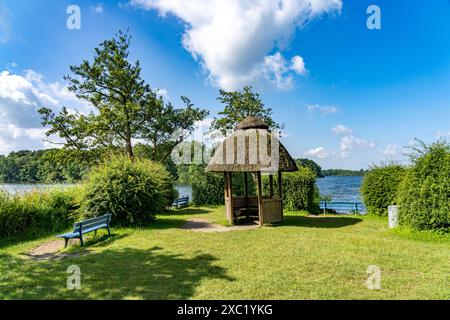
x=188 y=211
x=98 y=240
x=166 y=223
x=111 y=274
x=319 y=222
x=31 y=236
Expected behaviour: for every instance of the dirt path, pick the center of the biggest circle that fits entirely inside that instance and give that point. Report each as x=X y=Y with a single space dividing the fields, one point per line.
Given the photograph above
x=205 y=225
x=51 y=250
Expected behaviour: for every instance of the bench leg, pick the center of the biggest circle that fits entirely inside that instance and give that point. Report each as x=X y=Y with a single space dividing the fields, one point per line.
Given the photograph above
x=109 y=232
x=81 y=240
x=66 y=240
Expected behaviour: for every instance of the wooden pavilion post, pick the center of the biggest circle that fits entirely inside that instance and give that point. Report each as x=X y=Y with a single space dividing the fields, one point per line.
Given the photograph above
x=271 y=185
x=260 y=200
x=280 y=193
x=228 y=197
x=246 y=188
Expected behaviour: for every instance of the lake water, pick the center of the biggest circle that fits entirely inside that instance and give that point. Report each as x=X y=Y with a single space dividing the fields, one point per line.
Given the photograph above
x=13 y=188
x=341 y=189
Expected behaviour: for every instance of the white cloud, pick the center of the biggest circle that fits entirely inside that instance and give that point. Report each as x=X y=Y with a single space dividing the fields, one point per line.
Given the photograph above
x=349 y=142
x=319 y=153
x=276 y=70
x=298 y=65
x=20 y=98
x=324 y=110
x=13 y=138
x=239 y=42
x=341 y=129
x=163 y=93
x=204 y=124
x=443 y=134
x=11 y=65
x=390 y=150
x=98 y=8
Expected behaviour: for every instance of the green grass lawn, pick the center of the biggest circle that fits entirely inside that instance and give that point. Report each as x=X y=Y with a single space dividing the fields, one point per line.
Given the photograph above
x=302 y=258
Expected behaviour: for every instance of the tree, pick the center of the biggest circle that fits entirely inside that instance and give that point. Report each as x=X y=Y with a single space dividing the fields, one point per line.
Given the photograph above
x=51 y=165
x=167 y=127
x=310 y=164
x=238 y=105
x=126 y=108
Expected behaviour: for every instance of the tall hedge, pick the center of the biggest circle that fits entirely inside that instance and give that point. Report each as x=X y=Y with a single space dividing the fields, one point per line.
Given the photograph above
x=208 y=187
x=379 y=188
x=424 y=195
x=299 y=189
x=37 y=213
x=133 y=192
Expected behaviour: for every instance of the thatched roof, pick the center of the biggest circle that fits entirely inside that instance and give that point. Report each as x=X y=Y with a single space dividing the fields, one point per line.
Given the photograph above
x=249 y=149
x=251 y=122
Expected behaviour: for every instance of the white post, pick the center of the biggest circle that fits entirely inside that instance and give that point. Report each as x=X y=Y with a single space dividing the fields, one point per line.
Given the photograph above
x=393 y=216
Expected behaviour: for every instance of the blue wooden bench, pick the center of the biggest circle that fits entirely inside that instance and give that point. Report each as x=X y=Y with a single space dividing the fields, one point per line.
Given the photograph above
x=87 y=226
x=181 y=202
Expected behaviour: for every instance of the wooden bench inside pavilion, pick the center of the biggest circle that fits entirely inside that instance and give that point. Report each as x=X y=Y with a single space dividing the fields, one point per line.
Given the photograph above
x=254 y=151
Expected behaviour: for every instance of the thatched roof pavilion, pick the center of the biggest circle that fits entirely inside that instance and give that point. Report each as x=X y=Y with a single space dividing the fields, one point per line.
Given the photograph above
x=252 y=148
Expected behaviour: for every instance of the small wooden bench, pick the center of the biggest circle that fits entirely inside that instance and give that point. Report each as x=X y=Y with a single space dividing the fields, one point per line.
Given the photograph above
x=87 y=226
x=247 y=212
x=181 y=202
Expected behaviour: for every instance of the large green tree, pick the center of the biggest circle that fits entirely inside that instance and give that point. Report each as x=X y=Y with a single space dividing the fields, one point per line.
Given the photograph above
x=238 y=105
x=125 y=107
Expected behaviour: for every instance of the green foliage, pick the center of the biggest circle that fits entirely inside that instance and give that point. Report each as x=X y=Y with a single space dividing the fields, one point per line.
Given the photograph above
x=238 y=105
x=133 y=192
x=208 y=188
x=343 y=172
x=299 y=190
x=424 y=194
x=379 y=188
x=53 y=165
x=310 y=164
x=127 y=108
x=37 y=213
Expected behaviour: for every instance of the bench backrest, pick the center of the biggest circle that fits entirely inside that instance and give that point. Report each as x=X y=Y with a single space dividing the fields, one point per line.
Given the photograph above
x=93 y=222
x=184 y=199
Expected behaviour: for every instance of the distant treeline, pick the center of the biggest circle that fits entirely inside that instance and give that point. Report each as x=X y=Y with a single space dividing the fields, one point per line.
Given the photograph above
x=41 y=166
x=343 y=172
x=57 y=165
x=320 y=173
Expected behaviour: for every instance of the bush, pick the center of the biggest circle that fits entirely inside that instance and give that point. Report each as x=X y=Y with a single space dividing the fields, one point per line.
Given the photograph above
x=424 y=195
x=133 y=192
x=208 y=188
x=37 y=213
x=379 y=188
x=299 y=190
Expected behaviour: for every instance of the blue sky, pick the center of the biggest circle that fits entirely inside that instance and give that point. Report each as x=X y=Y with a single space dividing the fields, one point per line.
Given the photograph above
x=361 y=96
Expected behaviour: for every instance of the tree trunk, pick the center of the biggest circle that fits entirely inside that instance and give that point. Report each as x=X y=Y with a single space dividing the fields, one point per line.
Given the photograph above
x=129 y=149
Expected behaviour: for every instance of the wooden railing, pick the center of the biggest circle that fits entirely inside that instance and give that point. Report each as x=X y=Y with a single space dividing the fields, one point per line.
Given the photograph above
x=342 y=206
